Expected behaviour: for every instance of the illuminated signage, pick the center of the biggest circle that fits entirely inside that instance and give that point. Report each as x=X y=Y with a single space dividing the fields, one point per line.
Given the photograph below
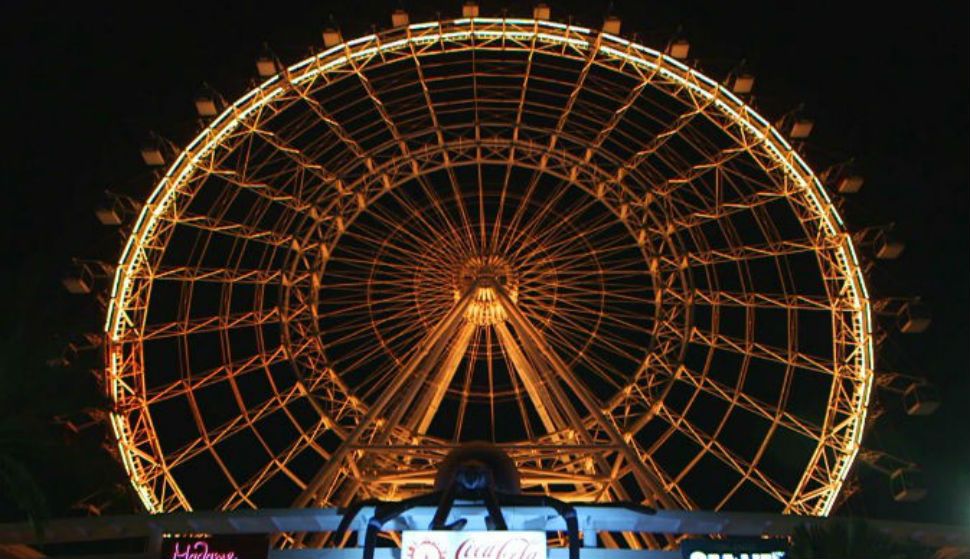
x=215 y=547
x=473 y=545
x=736 y=555
x=744 y=548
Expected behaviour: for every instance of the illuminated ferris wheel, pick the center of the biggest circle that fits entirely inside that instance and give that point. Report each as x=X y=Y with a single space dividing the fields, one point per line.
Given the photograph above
x=507 y=230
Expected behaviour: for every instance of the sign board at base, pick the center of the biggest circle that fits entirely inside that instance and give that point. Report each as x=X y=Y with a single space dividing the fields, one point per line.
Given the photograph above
x=736 y=555
x=243 y=546
x=734 y=548
x=437 y=544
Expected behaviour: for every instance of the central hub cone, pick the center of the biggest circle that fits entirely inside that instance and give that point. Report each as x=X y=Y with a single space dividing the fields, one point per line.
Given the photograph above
x=484 y=273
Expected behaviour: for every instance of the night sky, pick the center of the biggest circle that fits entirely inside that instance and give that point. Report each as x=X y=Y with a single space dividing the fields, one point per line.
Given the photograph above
x=85 y=84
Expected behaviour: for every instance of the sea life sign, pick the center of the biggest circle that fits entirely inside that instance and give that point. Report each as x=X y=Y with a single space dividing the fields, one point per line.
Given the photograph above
x=734 y=548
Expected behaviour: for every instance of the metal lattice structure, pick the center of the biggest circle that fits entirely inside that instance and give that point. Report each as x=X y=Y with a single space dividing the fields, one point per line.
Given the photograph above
x=512 y=230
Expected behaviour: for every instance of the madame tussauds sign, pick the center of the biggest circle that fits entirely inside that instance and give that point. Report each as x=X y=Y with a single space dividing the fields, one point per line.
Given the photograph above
x=473 y=545
x=215 y=547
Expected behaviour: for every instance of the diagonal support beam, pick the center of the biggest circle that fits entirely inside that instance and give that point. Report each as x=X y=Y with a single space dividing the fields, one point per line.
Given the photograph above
x=412 y=374
x=430 y=401
x=536 y=340
x=548 y=414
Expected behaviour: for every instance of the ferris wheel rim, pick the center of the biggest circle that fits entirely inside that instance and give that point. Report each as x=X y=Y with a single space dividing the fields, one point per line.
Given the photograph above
x=336 y=57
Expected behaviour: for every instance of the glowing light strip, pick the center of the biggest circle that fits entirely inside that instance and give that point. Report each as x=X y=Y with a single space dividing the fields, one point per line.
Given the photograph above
x=163 y=195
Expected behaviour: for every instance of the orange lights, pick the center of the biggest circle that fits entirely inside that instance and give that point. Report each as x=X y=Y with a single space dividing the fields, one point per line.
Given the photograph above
x=392 y=248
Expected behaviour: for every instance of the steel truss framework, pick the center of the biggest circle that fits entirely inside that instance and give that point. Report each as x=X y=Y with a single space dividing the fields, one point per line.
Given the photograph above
x=503 y=229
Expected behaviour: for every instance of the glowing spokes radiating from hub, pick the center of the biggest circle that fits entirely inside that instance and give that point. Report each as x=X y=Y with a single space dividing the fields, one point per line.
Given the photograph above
x=486 y=298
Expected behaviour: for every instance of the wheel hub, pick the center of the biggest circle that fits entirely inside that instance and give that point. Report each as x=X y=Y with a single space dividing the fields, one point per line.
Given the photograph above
x=483 y=274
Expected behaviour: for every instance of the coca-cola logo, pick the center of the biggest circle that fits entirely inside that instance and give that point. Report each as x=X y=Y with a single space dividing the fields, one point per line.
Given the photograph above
x=474 y=545
x=513 y=548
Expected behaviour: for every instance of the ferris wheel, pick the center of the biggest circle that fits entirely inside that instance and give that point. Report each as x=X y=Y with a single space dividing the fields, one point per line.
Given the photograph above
x=518 y=231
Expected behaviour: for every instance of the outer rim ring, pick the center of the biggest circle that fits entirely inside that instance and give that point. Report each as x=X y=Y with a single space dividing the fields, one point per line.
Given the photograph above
x=859 y=371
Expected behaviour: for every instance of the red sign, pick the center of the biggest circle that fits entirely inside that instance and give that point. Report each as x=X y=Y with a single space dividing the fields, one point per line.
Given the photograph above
x=473 y=545
x=215 y=547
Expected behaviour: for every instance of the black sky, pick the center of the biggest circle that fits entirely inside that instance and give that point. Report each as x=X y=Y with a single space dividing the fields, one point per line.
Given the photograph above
x=85 y=83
